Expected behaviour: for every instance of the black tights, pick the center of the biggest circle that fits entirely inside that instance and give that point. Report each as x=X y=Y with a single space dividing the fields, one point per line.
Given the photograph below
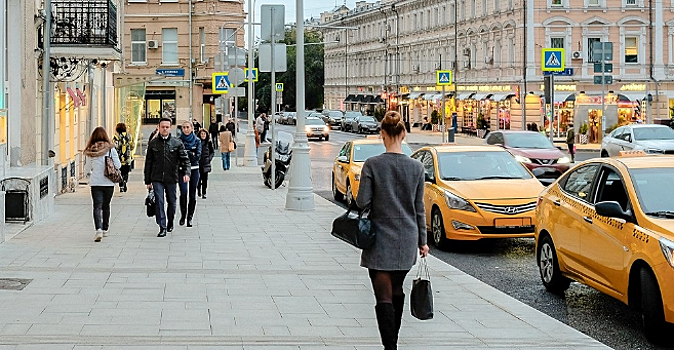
x=387 y=284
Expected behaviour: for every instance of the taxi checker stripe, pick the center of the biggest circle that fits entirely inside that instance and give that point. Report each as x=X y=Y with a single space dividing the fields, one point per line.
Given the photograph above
x=507 y=209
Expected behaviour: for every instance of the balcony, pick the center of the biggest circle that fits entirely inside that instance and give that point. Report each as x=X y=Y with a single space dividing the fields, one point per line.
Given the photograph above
x=85 y=28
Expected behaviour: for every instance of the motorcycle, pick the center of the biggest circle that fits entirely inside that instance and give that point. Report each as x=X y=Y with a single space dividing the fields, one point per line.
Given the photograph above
x=282 y=156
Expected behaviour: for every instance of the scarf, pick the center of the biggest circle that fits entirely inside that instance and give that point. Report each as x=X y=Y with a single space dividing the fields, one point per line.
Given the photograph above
x=190 y=140
x=98 y=149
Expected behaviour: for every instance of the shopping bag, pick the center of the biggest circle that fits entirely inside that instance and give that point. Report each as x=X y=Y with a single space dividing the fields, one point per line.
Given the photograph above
x=354 y=227
x=421 y=298
x=150 y=203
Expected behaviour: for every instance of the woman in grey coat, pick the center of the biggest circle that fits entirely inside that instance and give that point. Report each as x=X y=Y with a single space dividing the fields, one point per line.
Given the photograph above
x=392 y=185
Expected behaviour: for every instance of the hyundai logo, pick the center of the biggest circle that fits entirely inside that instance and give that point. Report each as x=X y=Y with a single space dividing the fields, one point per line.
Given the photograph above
x=510 y=210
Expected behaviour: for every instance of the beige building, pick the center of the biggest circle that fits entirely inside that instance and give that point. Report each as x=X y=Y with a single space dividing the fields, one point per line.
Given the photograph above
x=395 y=47
x=171 y=49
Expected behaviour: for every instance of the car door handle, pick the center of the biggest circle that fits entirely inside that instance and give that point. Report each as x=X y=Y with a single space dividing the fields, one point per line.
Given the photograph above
x=557 y=203
x=588 y=219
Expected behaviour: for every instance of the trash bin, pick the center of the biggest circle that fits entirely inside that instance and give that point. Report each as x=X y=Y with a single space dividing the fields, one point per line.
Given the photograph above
x=450 y=135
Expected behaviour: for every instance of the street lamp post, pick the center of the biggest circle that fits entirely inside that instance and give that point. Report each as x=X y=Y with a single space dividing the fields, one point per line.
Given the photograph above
x=250 y=154
x=300 y=190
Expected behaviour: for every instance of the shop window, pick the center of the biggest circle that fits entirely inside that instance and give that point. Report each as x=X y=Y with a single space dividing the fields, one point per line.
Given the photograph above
x=138 y=46
x=169 y=51
x=631 y=50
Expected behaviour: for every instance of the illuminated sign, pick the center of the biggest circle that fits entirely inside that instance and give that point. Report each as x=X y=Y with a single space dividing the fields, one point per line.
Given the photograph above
x=562 y=87
x=485 y=88
x=633 y=87
x=404 y=90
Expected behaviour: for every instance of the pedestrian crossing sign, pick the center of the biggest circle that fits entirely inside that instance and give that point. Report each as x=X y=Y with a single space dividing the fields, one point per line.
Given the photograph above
x=221 y=83
x=279 y=86
x=444 y=77
x=248 y=73
x=552 y=60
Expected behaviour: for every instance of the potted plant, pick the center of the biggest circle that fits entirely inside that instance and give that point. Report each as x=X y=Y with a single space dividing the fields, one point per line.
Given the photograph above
x=435 y=119
x=582 y=133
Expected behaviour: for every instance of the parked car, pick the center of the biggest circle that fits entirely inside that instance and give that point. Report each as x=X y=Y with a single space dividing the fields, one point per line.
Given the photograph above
x=651 y=138
x=289 y=118
x=533 y=150
x=477 y=192
x=349 y=116
x=316 y=127
x=333 y=118
x=365 y=124
x=609 y=223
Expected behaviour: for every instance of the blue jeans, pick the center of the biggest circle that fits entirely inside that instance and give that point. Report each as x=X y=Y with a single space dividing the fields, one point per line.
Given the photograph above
x=160 y=189
x=225 y=160
x=191 y=191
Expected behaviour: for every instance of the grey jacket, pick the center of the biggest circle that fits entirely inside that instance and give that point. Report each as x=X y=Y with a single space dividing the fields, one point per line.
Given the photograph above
x=393 y=185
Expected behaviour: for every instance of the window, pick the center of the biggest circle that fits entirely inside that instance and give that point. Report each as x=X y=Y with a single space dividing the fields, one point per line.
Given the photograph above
x=590 y=50
x=511 y=52
x=630 y=2
x=631 y=50
x=202 y=44
x=555 y=2
x=462 y=11
x=495 y=139
x=169 y=47
x=484 y=7
x=611 y=189
x=497 y=5
x=452 y=13
x=486 y=53
x=472 y=8
x=557 y=43
x=593 y=2
x=579 y=183
x=138 y=46
x=497 y=53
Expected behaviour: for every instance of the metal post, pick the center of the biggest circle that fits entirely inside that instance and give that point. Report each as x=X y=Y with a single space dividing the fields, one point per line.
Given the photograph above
x=300 y=190
x=346 y=65
x=273 y=101
x=104 y=120
x=250 y=155
x=455 y=68
x=443 y=106
x=552 y=106
x=603 y=97
x=46 y=87
x=191 y=63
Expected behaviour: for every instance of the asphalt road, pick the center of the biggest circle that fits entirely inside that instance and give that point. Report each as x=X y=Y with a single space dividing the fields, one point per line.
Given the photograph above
x=509 y=266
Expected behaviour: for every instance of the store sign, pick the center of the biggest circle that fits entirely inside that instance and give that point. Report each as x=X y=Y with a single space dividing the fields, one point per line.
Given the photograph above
x=404 y=90
x=596 y=100
x=171 y=72
x=633 y=87
x=485 y=88
x=562 y=87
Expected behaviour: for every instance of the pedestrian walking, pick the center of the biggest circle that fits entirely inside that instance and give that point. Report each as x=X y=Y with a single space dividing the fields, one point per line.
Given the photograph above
x=231 y=126
x=193 y=148
x=98 y=148
x=124 y=147
x=207 y=153
x=226 y=147
x=259 y=126
x=257 y=141
x=166 y=163
x=392 y=186
x=214 y=130
x=571 y=142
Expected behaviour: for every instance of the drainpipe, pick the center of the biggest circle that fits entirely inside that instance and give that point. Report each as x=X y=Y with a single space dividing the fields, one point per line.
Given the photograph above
x=46 y=88
x=649 y=117
x=191 y=63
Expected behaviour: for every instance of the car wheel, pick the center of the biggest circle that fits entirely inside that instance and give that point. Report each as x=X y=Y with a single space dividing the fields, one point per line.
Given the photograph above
x=604 y=154
x=349 y=195
x=548 y=266
x=652 y=312
x=327 y=138
x=338 y=196
x=438 y=230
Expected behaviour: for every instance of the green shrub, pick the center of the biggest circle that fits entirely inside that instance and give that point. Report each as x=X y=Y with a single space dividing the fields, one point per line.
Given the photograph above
x=435 y=117
x=379 y=113
x=583 y=128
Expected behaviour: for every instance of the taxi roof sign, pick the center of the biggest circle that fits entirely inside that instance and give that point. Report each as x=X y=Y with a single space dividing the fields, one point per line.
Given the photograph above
x=632 y=153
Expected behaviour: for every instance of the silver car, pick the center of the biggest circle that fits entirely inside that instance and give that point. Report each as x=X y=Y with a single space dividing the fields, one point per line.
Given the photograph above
x=316 y=127
x=650 y=138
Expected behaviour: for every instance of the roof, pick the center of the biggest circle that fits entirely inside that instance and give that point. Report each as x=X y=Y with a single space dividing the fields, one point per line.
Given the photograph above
x=647 y=161
x=456 y=148
x=369 y=141
x=636 y=126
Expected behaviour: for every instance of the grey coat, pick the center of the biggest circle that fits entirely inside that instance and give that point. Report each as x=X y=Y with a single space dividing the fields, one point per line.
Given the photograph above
x=393 y=185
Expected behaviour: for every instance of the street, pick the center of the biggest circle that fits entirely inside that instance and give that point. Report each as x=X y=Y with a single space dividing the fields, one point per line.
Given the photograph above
x=509 y=266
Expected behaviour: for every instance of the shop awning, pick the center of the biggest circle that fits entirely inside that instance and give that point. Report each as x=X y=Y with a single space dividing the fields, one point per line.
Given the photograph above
x=631 y=96
x=415 y=94
x=367 y=99
x=350 y=98
x=561 y=97
x=499 y=97
x=432 y=96
x=481 y=96
x=359 y=99
x=449 y=94
x=465 y=95
x=377 y=99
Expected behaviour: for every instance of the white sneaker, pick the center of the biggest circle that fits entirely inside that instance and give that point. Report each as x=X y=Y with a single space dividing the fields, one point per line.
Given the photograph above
x=105 y=233
x=98 y=236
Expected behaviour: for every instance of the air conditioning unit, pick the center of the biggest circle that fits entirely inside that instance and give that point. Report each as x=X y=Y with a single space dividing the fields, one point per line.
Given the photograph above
x=152 y=44
x=577 y=55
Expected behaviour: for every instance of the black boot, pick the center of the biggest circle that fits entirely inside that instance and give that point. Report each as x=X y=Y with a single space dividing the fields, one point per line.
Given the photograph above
x=398 y=306
x=190 y=212
x=183 y=210
x=386 y=322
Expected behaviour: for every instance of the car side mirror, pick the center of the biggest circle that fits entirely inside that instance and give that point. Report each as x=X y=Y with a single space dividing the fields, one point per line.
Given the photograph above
x=428 y=178
x=629 y=138
x=612 y=209
x=342 y=159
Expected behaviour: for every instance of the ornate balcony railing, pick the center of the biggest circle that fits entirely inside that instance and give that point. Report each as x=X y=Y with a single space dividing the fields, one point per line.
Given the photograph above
x=84 y=22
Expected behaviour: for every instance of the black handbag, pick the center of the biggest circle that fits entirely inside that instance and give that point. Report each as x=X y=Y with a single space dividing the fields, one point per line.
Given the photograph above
x=150 y=203
x=354 y=227
x=421 y=298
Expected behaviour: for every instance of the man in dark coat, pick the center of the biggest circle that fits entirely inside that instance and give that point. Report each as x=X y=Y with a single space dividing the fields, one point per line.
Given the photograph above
x=165 y=163
x=214 y=130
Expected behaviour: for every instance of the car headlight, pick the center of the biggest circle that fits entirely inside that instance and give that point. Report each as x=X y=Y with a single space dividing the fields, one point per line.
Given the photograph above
x=456 y=202
x=564 y=160
x=654 y=151
x=522 y=159
x=326 y=128
x=356 y=177
x=307 y=128
x=667 y=248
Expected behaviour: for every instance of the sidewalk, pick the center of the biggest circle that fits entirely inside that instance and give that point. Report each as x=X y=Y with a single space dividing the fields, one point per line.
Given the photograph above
x=249 y=275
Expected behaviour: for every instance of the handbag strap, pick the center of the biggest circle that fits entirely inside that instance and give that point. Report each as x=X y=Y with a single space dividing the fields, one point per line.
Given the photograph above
x=422 y=269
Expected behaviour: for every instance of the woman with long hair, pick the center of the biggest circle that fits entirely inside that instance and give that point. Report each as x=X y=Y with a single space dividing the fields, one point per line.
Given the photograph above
x=392 y=186
x=193 y=148
x=226 y=148
x=98 y=147
x=124 y=146
x=207 y=153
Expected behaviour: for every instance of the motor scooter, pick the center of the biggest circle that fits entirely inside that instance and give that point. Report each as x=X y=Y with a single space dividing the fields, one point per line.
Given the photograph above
x=282 y=155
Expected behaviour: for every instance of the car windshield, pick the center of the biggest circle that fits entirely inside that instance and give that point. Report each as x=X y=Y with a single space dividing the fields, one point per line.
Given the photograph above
x=314 y=121
x=363 y=152
x=352 y=114
x=335 y=114
x=527 y=140
x=469 y=166
x=366 y=119
x=654 y=189
x=654 y=133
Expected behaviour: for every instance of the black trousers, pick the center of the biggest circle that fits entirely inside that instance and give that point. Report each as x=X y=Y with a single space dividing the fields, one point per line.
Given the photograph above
x=203 y=181
x=215 y=139
x=102 y=195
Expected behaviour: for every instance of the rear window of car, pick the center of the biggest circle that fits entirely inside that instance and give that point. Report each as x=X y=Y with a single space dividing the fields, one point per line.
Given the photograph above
x=363 y=152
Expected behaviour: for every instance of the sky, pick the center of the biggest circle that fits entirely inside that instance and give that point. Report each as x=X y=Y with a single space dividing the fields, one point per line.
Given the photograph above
x=311 y=7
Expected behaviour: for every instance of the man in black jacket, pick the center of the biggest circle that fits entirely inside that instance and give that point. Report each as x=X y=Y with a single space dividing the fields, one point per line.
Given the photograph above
x=166 y=163
x=214 y=130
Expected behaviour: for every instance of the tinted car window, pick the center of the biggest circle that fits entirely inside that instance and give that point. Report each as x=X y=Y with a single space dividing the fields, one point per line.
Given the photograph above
x=579 y=182
x=495 y=139
x=653 y=133
x=610 y=188
x=528 y=140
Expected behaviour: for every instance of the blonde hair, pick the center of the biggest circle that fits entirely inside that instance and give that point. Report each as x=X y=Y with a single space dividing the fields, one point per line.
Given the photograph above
x=393 y=124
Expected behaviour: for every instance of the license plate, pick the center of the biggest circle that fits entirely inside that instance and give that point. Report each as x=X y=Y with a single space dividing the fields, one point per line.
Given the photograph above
x=548 y=169
x=512 y=222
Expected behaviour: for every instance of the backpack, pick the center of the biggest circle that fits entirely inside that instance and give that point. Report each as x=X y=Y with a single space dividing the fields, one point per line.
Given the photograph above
x=123 y=145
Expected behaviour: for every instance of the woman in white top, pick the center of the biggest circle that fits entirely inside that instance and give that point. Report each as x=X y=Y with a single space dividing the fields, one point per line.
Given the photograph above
x=99 y=146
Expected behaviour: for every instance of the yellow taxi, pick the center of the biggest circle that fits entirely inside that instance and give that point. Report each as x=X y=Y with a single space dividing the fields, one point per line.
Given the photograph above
x=475 y=192
x=349 y=162
x=609 y=223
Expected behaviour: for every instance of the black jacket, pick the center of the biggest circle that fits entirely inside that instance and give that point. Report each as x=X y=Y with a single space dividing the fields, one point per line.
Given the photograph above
x=194 y=151
x=231 y=127
x=207 y=154
x=166 y=160
x=214 y=129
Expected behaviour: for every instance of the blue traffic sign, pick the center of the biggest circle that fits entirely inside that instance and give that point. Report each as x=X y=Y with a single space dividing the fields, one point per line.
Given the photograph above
x=221 y=83
x=552 y=60
x=252 y=73
x=444 y=77
x=567 y=72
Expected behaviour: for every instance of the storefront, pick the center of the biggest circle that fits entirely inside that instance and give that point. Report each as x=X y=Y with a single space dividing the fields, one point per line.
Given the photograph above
x=159 y=104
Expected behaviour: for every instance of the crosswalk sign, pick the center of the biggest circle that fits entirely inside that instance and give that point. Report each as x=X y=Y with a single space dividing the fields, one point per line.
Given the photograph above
x=221 y=83
x=279 y=86
x=253 y=73
x=444 y=77
x=552 y=60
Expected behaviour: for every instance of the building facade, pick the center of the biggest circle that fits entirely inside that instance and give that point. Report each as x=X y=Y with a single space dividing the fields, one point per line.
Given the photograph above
x=171 y=49
x=393 y=49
